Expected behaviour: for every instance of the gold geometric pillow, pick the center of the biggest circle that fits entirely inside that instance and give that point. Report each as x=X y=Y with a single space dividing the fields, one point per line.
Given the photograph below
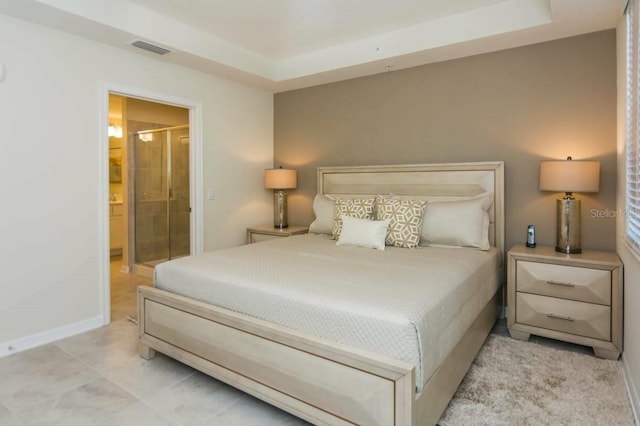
x=406 y=220
x=358 y=208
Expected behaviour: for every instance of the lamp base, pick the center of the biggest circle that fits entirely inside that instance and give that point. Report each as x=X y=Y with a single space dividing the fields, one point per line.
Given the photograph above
x=568 y=226
x=280 y=219
x=568 y=251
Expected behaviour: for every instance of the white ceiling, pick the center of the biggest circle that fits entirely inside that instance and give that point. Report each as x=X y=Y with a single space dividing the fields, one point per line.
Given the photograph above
x=286 y=28
x=286 y=44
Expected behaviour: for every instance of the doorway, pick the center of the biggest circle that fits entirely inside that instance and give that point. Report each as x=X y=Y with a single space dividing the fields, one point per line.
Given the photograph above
x=149 y=183
x=153 y=178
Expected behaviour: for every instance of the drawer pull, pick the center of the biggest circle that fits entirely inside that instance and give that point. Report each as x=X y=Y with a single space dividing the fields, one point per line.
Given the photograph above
x=560 y=317
x=561 y=283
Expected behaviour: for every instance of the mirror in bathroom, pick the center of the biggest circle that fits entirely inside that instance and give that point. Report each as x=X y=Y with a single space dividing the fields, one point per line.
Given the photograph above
x=115 y=165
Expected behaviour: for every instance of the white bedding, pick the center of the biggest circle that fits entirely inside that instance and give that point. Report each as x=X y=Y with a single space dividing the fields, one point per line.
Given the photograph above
x=410 y=304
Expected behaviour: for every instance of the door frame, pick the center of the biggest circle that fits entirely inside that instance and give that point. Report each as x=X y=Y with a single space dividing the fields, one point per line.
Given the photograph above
x=195 y=176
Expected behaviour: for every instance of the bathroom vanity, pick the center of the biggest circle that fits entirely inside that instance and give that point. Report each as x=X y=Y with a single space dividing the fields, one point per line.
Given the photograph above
x=115 y=227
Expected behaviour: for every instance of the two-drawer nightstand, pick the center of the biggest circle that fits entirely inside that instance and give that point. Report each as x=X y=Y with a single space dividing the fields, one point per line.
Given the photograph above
x=257 y=234
x=572 y=297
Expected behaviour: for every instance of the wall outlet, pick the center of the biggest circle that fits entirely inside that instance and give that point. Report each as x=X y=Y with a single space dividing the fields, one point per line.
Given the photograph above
x=211 y=194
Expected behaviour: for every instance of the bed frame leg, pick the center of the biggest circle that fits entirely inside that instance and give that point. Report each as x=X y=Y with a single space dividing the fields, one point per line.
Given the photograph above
x=145 y=351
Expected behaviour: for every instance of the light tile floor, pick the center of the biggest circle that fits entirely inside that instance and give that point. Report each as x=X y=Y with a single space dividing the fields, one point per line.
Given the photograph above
x=97 y=378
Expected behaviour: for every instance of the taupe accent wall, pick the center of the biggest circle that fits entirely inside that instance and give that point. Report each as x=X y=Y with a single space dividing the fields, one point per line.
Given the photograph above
x=520 y=106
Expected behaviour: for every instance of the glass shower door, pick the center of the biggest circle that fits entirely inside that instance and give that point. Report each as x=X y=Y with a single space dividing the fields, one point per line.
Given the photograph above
x=179 y=205
x=161 y=190
x=151 y=198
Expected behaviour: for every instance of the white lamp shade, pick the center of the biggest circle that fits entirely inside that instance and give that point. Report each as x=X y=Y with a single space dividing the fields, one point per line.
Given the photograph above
x=280 y=178
x=570 y=176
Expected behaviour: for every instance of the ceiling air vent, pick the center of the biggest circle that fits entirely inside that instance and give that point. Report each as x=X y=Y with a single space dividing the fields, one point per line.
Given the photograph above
x=150 y=47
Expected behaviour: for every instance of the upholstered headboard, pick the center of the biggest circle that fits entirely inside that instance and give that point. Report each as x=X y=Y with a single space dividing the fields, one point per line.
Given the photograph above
x=424 y=181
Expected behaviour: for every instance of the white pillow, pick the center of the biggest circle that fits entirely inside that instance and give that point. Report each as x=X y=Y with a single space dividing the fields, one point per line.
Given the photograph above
x=459 y=223
x=363 y=232
x=323 y=206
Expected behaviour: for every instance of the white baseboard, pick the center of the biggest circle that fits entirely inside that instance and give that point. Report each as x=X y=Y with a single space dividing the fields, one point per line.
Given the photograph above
x=38 y=339
x=631 y=390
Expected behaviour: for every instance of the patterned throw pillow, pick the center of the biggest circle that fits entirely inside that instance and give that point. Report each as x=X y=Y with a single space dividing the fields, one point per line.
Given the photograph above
x=406 y=220
x=358 y=208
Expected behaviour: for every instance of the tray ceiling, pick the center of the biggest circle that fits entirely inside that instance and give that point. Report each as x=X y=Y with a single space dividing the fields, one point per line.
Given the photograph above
x=281 y=45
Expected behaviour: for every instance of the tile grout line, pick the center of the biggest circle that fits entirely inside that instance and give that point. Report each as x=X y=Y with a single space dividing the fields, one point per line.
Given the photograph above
x=228 y=407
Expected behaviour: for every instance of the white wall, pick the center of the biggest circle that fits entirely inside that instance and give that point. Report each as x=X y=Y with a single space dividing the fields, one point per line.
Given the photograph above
x=631 y=355
x=49 y=160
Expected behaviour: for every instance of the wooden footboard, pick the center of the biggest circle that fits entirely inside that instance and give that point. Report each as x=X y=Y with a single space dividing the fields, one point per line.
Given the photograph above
x=315 y=379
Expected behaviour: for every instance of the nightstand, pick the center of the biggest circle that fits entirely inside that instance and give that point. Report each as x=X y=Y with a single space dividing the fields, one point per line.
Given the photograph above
x=261 y=233
x=572 y=297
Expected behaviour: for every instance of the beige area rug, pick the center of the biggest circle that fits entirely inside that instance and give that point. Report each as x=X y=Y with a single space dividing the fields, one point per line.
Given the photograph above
x=520 y=383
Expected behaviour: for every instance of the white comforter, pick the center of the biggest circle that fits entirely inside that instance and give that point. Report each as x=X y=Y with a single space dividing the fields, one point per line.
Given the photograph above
x=411 y=305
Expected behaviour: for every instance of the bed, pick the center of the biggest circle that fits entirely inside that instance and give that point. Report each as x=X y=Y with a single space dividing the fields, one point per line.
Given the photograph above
x=300 y=356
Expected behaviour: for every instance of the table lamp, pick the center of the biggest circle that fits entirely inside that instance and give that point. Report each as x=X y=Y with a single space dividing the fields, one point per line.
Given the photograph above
x=279 y=179
x=569 y=176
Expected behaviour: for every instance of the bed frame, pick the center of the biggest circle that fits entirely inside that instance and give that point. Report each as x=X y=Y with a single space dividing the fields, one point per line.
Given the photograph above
x=315 y=379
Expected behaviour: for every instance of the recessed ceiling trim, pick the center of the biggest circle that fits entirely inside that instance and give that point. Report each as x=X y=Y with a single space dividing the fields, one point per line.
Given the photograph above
x=145 y=24
x=496 y=19
x=500 y=24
